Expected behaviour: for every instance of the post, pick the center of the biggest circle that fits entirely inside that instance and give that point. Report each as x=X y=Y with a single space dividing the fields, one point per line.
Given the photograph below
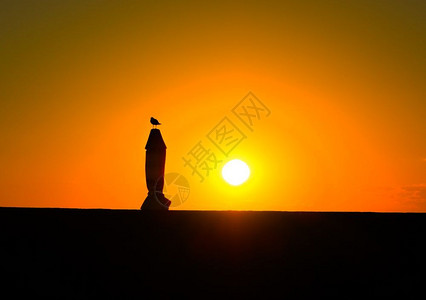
x=155 y=162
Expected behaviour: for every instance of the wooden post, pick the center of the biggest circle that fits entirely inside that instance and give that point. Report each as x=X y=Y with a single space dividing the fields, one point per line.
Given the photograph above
x=155 y=163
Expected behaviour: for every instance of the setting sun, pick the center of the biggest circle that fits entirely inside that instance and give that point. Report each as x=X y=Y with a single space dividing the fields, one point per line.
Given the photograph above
x=235 y=172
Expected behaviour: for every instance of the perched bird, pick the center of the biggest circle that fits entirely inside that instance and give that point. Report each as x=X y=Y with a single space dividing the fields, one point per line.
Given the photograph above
x=155 y=122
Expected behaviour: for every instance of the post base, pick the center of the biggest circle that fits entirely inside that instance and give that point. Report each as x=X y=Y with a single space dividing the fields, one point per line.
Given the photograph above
x=156 y=202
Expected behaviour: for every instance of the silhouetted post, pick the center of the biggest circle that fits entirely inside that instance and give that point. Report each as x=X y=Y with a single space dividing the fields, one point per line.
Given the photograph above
x=155 y=163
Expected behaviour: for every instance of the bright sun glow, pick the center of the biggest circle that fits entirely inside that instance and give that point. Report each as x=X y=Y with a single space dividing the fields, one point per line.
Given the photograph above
x=235 y=172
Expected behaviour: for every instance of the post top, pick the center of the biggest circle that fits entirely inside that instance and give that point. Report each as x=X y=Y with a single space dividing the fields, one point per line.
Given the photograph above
x=155 y=140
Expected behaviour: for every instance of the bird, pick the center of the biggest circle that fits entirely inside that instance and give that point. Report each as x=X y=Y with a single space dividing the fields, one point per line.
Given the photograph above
x=154 y=122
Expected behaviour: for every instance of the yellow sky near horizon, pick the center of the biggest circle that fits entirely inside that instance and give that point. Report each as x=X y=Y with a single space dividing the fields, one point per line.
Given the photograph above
x=344 y=83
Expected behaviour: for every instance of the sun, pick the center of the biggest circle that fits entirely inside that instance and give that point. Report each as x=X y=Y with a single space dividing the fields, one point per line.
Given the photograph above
x=235 y=172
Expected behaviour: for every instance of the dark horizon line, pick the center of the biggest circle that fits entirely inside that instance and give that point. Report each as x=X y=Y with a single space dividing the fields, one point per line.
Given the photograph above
x=210 y=210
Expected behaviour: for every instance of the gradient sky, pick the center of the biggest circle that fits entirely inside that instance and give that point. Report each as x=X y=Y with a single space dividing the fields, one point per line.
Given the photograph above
x=344 y=82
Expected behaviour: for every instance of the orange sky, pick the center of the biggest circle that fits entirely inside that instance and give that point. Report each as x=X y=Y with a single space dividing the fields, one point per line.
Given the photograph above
x=344 y=83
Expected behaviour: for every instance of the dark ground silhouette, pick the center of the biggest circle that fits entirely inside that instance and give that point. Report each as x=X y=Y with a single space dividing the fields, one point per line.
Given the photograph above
x=118 y=254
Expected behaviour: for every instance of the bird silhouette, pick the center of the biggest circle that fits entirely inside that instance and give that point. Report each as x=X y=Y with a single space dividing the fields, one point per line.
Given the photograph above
x=154 y=122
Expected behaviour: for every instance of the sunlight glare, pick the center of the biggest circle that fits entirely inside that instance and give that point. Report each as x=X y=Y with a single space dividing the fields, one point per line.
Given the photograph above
x=235 y=172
